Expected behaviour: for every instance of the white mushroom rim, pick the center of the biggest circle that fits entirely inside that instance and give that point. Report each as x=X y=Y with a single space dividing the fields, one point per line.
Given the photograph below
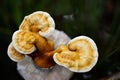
x=20 y=45
x=81 y=57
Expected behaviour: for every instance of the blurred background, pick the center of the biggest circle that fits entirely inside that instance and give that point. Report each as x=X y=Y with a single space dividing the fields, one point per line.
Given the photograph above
x=98 y=19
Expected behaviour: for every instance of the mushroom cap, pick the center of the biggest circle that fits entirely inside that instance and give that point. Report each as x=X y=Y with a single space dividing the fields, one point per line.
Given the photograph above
x=13 y=54
x=23 y=41
x=79 y=55
x=40 y=22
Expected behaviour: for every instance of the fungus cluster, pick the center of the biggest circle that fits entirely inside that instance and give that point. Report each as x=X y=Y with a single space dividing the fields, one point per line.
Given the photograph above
x=30 y=40
x=78 y=55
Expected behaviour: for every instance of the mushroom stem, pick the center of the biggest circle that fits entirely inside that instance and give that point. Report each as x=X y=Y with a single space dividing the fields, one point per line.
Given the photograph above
x=43 y=57
x=43 y=44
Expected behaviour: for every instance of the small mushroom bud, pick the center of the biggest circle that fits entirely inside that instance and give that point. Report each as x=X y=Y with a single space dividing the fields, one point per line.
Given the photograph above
x=79 y=55
x=13 y=54
x=39 y=22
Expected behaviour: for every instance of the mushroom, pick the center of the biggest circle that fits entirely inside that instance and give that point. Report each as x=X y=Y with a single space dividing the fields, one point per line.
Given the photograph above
x=13 y=54
x=37 y=47
x=33 y=39
x=39 y=22
x=23 y=42
x=30 y=38
x=79 y=55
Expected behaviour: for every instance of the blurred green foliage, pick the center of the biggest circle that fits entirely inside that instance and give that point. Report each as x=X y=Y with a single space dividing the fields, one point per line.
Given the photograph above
x=98 y=19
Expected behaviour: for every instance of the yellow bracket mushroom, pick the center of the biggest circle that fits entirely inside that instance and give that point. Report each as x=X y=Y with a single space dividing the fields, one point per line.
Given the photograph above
x=79 y=55
x=32 y=39
x=39 y=22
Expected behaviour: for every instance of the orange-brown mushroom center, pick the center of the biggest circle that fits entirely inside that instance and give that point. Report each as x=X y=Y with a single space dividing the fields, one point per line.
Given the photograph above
x=43 y=56
x=43 y=60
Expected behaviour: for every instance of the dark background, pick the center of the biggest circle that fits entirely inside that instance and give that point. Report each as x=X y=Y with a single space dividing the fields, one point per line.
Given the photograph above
x=98 y=19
